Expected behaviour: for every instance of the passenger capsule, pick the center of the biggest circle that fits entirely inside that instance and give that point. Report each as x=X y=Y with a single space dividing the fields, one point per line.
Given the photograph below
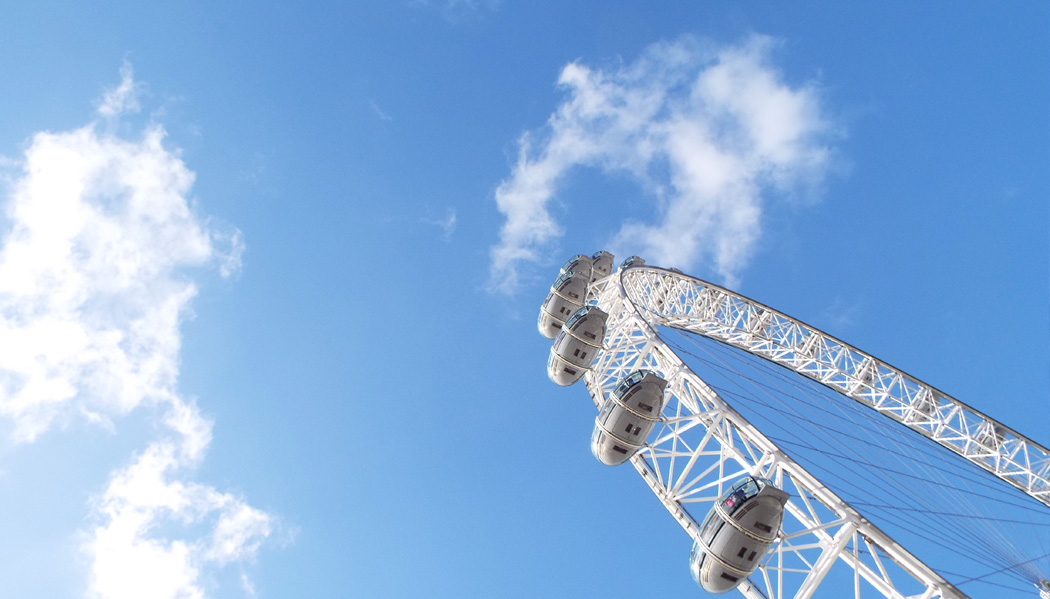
x=627 y=417
x=579 y=263
x=632 y=261
x=602 y=263
x=577 y=345
x=567 y=295
x=736 y=534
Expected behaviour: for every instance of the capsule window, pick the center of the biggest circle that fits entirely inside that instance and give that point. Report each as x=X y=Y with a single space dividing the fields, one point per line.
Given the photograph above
x=763 y=527
x=589 y=335
x=570 y=371
x=730 y=577
x=628 y=429
x=646 y=407
x=619 y=449
x=751 y=557
x=742 y=551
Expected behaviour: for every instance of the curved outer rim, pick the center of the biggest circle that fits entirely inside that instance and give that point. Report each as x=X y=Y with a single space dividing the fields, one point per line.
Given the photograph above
x=1005 y=453
x=832 y=535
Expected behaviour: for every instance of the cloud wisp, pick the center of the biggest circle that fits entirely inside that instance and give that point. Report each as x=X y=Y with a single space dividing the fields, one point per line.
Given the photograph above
x=99 y=241
x=709 y=133
x=459 y=11
x=383 y=116
x=446 y=223
x=124 y=98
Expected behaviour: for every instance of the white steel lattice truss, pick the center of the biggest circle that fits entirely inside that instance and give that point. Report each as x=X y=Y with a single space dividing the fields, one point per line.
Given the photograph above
x=701 y=443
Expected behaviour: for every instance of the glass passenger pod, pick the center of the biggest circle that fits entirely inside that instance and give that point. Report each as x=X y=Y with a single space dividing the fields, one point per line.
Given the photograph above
x=577 y=345
x=579 y=263
x=737 y=533
x=567 y=295
x=632 y=261
x=627 y=417
x=602 y=263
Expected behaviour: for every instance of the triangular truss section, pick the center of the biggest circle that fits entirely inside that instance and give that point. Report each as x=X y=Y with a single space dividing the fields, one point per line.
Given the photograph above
x=702 y=445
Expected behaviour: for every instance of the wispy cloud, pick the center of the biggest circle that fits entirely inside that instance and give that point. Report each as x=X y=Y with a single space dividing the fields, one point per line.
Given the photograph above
x=124 y=98
x=458 y=11
x=383 y=116
x=446 y=223
x=841 y=314
x=709 y=133
x=94 y=283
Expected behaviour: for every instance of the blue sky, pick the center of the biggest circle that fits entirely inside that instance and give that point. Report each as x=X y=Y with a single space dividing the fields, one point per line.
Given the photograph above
x=270 y=273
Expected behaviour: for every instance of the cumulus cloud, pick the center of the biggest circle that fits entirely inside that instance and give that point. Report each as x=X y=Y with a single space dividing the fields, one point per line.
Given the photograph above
x=709 y=133
x=91 y=293
x=99 y=244
x=129 y=560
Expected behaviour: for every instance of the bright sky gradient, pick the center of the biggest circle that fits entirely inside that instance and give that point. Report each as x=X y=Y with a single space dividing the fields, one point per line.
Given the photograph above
x=269 y=274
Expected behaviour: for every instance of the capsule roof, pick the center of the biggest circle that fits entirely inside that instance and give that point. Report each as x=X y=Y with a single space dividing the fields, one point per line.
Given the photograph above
x=582 y=314
x=634 y=379
x=579 y=263
x=565 y=278
x=632 y=261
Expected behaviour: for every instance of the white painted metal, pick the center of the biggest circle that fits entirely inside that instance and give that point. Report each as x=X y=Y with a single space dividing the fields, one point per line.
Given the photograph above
x=678 y=301
x=702 y=443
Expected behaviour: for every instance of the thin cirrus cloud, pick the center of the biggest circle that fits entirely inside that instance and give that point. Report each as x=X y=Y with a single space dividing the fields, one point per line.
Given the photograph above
x=709 y=133
x=446 y=223
x=95 y=266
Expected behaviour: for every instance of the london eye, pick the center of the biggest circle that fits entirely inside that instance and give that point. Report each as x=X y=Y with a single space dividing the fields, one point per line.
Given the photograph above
x=798 y=465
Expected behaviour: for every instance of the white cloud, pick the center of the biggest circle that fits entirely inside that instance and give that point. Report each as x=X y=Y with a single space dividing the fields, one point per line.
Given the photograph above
x=249 y=588
x=91 y=290
x=841 y=314
x=124 y=98
x=446 y=223
x=383 y=116
x=99 y=243
x=710 y=133
x=129 y=561
x=458 y=11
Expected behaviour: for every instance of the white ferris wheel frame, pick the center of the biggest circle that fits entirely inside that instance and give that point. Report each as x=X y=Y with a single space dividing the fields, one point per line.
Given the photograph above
x=702 y=443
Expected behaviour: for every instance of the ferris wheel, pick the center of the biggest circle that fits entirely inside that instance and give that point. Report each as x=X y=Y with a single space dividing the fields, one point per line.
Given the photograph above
x=633 y=334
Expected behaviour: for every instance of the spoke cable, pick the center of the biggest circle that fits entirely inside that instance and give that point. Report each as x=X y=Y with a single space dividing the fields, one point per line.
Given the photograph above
x=1009 y=557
